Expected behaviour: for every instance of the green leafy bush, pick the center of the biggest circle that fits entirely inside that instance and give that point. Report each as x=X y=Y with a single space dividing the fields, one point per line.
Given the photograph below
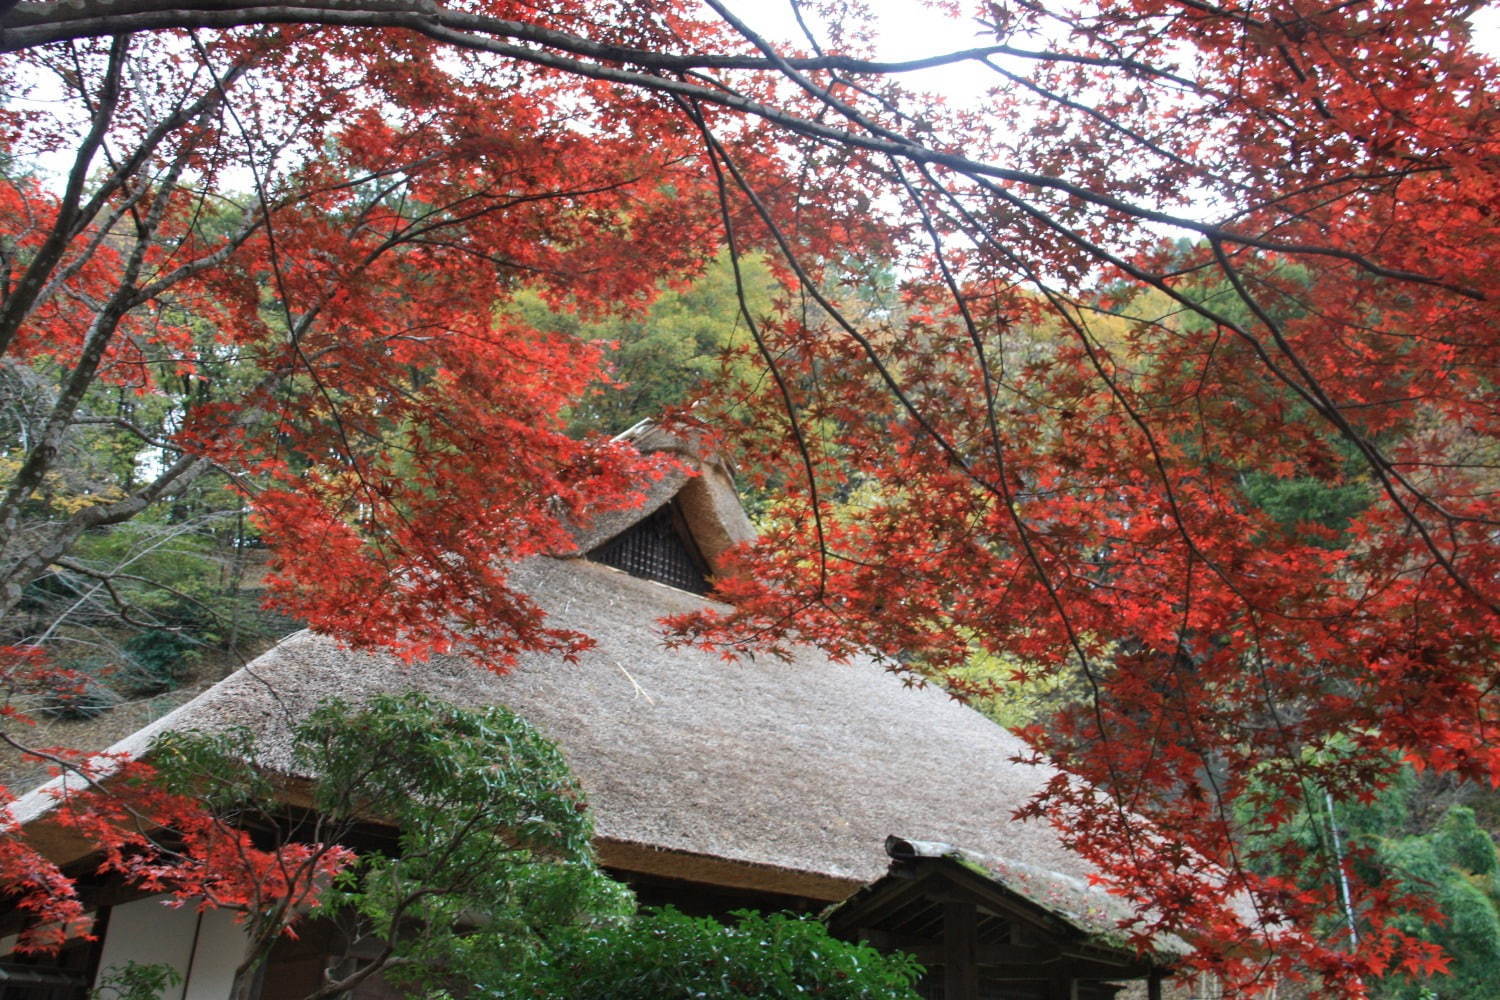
x=136 y=981
x=1452 y=865
x=667 y=955
x=159 y=660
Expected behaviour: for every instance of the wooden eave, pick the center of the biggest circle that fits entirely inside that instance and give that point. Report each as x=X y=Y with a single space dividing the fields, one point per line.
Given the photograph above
x=646 y=859
x=915 y=905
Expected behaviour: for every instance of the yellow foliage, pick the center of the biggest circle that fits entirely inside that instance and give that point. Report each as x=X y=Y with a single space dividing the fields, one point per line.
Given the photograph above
x=57 y=495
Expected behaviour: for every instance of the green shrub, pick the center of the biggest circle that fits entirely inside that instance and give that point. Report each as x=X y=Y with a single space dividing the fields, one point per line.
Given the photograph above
x=159 y=660
x=134 y=981
x=666 y=955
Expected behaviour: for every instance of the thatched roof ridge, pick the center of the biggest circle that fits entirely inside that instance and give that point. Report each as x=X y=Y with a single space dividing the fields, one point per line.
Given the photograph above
x=766 y=766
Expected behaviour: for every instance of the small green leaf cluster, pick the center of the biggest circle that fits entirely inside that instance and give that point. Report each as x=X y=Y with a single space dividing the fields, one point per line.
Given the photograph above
x=135 y=981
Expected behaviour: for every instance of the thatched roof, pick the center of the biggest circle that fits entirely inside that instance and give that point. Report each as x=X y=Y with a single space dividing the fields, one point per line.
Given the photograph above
x=801 y=768
x=758 y=773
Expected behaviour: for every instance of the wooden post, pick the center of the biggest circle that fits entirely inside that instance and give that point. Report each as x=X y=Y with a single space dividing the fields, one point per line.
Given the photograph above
x=1153 y=985
x=960 y=951
x=1063 y=985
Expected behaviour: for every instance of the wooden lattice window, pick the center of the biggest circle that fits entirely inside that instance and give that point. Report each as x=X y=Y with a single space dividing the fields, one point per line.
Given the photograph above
x=64 y=975
x=660 y=548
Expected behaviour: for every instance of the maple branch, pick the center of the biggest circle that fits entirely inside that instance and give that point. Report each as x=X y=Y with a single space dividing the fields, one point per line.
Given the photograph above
x=21 y=297
x=1303 y=383
x=32 y=26
x=1389 y=476
x=1001 y=486
x=39 y=282
x=718 y=161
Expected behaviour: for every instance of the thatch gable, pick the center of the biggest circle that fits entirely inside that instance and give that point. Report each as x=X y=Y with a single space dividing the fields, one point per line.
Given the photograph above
x=701 y=487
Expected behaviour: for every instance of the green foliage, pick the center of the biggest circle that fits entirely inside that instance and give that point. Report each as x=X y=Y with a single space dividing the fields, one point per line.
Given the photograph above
x=666 y=955
x=1305 y=500
x=160 y=659
x=1014 y=693
x=1463 y=844
x=150 y=597
x=494 y=845
x=1452 y=865
x=661 y=356
x=1450 y=862
x=414 y=760
x=215 y=770
x=135 y=981
x=487 y=810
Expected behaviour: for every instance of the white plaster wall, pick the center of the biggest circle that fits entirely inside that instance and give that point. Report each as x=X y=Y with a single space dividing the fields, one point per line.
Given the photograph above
x=221 y=945
x=145 y=931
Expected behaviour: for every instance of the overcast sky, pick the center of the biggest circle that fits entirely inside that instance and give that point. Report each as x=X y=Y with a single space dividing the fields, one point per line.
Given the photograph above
x=909 y=30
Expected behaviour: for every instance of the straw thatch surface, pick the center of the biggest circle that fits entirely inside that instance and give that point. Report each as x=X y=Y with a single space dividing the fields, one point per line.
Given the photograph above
x=801 y=767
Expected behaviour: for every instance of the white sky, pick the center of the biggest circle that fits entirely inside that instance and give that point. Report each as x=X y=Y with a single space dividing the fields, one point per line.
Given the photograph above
x=1486 y=26
x=908 y=30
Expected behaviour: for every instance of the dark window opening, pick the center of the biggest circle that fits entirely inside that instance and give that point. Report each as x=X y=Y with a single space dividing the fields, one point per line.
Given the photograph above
x=67 y=974
x=658 y=547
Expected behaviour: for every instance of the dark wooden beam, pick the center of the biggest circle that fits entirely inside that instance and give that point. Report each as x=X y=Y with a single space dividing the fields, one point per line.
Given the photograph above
x=692 y=867
x=872 y=909
x=1062 y=986
x=985 y=955
x=1077 y=968
x=960 y=947
x=1008 y=961
x=1153 y=985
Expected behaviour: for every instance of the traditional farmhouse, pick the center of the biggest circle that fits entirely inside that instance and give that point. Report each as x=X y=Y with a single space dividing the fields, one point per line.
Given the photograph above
x=715 y=785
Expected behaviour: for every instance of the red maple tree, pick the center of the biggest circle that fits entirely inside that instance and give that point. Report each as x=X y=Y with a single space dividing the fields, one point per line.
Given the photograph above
x=1180 y=249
